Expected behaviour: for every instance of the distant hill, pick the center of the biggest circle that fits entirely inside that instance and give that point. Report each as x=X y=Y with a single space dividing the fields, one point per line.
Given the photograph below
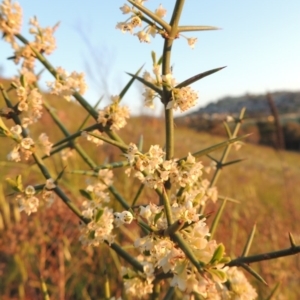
x=256 y=105
x=260 y=118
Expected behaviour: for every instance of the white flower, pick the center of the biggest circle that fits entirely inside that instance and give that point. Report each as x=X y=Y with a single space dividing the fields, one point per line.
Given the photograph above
x=125 y=27
x=29 y=190
x=125 y=9
x=14 y=155
x=17 y=130
x=143 y=36
x=192 y=42
x=136 y=21
x=27 y=201
x=45 y=143
x=160 y=12
x=27 y=143
x=114 y=116
x=97 y=230
x=168 y=80
x=240 y=286
x=184 y=98
x=50 y=184
x=124 y=217
x=66 y=84
x=10 y=20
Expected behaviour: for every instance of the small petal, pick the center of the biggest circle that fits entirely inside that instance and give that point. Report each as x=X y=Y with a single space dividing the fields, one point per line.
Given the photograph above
x=192 y=42
x=160 y=12
x=143 y=36
x=125 y=9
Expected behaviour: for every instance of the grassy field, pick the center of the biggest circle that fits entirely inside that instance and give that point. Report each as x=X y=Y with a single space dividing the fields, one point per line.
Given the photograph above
x=266 y=183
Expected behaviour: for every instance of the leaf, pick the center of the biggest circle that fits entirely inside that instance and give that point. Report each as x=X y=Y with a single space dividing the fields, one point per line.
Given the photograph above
x=88 y=115
x=153 y=55
x=13 y=184
x=3 y=126
x=196 y=28
x=19 y=182
x=292 y=241
x=198 y=77
x=158 y=216
x=228 y=131
x=60 y=174
x=92 y=234
x=218 y=275
x=137 y=195
x=216 y=147
x=218 y=254
x=217 y=219
x=141 y=143
x=160 y=60
x=225 y=260
x=86 y=194
x=232 y=162
x=128 y=85
x=148 y=84
x=253 y=273
x=99 y=215
x=249 y=242
x=273 y=292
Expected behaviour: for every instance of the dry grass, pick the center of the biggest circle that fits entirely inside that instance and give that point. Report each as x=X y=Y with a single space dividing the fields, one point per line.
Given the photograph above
x=266 y=183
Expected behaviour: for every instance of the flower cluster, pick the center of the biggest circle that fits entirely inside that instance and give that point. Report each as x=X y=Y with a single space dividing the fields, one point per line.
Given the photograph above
x=136 y=284
x=24 y=146
x=159 y=253
x=240 y=288
x=183 y=98
x=48 y=195
x=27 y=201
x=125 y=217
x=113 y=116
x=150 y=94
x=10 y=20
x=45 y=144
x=100 y=226
x=151 y=29
x=91 y=138
x=136 y=21
x=44 y=42
x=30 y=101
x=67 y=84
x=153 y=170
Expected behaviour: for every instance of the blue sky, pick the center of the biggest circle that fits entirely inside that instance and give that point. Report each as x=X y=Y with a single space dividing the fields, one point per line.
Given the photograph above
x=259 y=43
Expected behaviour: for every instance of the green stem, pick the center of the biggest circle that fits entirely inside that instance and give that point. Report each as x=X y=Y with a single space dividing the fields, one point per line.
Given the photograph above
x=64 y=130
x=264 y=256
x=170 y=293
x=227 y=149
x=225 y=154
x=166 y=67
x=166 y=97
x=178 y=239
x=106 y=286
x=126 y=256
x=57 y=190
x=167 y=207
x=156 y=291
